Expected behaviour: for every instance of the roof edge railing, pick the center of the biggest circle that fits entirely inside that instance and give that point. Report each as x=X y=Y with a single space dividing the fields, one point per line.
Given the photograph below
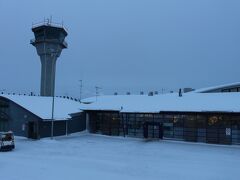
x=48 y=22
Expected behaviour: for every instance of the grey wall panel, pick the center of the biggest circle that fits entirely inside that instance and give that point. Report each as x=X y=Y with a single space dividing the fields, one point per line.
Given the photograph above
x=77 y=124
x=44 y=129
x=58 y=126
x=18 y=119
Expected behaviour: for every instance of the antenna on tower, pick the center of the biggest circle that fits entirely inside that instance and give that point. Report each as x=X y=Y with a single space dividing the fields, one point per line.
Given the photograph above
x=81 y=85
x=97 y=91
x=50 y=19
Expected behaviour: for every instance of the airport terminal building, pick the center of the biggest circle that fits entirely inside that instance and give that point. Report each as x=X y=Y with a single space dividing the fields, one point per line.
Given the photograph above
x=210 y=115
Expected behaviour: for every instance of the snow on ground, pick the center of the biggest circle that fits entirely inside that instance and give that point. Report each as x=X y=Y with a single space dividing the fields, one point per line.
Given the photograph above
x=85 y=156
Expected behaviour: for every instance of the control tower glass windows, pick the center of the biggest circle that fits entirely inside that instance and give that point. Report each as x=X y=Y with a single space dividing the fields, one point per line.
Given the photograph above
x=39 y=34
x=55 y=34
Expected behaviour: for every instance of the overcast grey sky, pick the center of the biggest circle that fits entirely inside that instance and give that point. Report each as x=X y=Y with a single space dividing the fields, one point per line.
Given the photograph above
x=124 y=45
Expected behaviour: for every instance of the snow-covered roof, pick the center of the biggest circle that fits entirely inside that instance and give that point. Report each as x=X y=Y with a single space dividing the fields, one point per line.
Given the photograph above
x=212 y=88
x=189 y=102
x=42 y=106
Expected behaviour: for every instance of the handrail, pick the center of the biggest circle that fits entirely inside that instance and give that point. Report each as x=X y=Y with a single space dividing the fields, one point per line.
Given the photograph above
x=49 y=23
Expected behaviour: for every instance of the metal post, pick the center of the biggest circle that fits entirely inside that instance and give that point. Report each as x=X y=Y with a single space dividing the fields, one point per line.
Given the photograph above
x=53 y=99
x=52 y=124
x=123 y=125
x=87 y=122
x=67 y=127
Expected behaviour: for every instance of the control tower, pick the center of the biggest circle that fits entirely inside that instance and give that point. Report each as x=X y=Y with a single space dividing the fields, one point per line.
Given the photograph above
x=49 y=42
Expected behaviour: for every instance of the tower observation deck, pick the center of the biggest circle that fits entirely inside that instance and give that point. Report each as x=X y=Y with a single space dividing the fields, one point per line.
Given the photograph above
x=49 y=42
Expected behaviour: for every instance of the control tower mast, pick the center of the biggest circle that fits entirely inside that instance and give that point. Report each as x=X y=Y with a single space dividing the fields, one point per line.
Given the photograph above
x=49 y=42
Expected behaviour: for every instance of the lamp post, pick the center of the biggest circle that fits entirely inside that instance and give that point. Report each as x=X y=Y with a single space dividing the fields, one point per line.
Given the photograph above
x=52 y=122
x=53 y=100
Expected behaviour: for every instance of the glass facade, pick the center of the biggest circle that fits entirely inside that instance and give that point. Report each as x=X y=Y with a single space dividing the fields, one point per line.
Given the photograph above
x=194 y=127
x=201 y=128
x=236 y=130
x=107 y=123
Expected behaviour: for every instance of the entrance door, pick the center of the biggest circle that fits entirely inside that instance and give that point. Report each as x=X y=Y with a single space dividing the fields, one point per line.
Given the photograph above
x=190 y=129
x=212 y=130
x=219 y=130
x=225 y=135
x=153 y=130
x=31 y=130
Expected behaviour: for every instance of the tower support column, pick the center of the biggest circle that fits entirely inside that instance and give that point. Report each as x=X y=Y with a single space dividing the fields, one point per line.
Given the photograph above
x=48 y=72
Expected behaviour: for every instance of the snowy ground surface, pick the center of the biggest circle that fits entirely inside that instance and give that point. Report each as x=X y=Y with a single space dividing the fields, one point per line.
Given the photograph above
x=88 y=157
